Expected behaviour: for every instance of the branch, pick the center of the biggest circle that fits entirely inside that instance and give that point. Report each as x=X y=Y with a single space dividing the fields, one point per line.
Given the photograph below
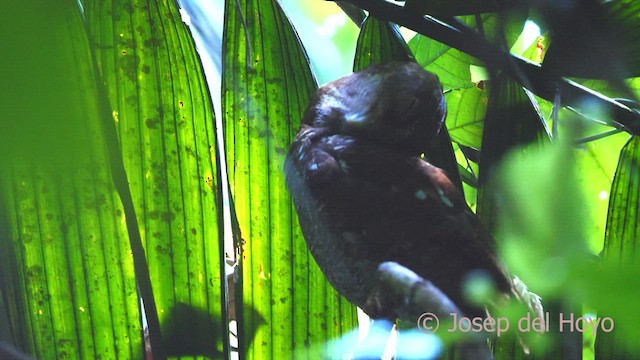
x=533 y=77
x=401 y=291
x=354 y=13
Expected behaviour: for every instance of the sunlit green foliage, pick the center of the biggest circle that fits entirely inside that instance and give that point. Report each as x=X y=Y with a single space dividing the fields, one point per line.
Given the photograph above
x=66 y=271
x=289 y=309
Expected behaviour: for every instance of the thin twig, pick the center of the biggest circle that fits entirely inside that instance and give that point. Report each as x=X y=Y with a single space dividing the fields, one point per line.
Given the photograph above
x=597 y=136
x=557 y=104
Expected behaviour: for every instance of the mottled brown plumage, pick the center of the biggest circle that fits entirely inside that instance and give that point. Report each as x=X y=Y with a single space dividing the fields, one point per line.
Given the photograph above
x=364 y=195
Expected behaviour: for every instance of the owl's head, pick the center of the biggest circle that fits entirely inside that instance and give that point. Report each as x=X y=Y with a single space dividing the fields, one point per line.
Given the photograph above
x=396 y=104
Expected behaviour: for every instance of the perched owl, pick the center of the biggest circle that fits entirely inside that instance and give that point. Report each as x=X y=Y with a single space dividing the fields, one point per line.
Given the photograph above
x=365 y=196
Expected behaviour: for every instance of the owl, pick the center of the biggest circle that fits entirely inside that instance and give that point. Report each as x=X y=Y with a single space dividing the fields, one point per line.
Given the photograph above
x=365 y=194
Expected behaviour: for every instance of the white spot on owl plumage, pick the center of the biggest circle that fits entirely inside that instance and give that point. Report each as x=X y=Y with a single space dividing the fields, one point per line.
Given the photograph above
x=420 y=194
x=354 y=117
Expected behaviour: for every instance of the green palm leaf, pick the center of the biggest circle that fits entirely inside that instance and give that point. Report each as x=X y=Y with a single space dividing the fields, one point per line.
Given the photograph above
x=288 y=305
x=67 y=270
x=164 y=120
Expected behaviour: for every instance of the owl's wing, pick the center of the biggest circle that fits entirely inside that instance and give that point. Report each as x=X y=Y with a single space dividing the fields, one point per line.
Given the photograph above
x=332 y=162
x=399 y=206
x=419 y=185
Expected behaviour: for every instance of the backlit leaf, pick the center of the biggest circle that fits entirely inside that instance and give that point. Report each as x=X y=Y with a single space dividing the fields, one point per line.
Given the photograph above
x=165 y=124
x=67 y=271
x=289 y=307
